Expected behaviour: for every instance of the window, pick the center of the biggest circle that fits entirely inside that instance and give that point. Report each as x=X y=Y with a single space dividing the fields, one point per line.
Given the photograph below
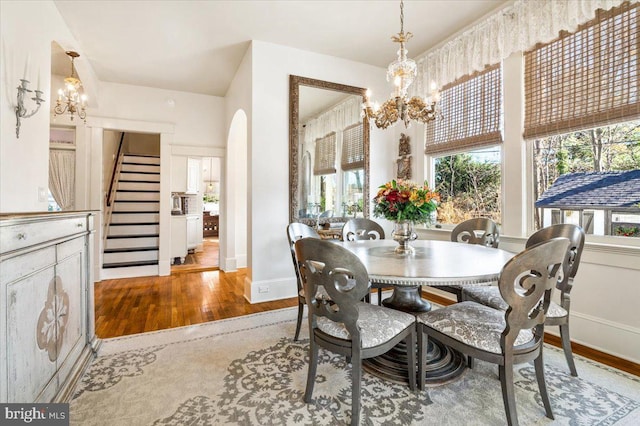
x=590 y=178
x=469 y=185
x=352 y=165
x=581 y=103
x=469 y=181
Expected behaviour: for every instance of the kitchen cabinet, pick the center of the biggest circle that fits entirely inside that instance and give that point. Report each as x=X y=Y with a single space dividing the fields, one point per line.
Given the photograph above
x=194 y=232
x=46 y=317
x=185 y=174
x=178 y=238
x=194 y=165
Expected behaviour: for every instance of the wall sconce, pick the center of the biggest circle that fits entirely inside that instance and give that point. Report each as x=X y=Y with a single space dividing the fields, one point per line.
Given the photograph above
x=21 y=111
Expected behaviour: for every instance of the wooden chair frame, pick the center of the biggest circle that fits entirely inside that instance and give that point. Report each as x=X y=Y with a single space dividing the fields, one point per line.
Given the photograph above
x=346 y=281
x=536 y=271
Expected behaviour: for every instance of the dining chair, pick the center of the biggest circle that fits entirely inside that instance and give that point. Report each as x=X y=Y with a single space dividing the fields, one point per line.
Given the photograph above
x=558 y=313
x=344 y=324
x=296 y=231
x=481 y=231
x=500 y=337
x=359 y=229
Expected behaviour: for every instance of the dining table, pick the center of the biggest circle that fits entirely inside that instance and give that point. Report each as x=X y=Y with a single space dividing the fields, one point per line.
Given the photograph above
x=433 y=263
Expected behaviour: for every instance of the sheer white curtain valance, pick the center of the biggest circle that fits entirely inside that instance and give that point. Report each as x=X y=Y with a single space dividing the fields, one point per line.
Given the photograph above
x=517 y=27
x=62 y=177
x=336 y=119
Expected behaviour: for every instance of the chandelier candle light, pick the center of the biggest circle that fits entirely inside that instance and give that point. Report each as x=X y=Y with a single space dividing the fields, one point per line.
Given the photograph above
x=402 y=72
x=69 y=99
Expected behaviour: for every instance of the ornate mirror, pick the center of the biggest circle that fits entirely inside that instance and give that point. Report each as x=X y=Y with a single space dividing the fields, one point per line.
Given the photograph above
x=328 y=152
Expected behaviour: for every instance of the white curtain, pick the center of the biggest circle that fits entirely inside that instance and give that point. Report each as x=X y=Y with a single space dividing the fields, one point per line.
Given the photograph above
x=336 y=119
x=517 y=27
x=62 y=177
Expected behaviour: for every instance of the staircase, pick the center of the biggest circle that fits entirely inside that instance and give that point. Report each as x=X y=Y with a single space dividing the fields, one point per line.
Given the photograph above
x=132 y=237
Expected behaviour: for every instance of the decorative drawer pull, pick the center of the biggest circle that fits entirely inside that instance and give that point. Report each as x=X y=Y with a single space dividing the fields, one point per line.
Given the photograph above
x=22 y=236
x=80 y=225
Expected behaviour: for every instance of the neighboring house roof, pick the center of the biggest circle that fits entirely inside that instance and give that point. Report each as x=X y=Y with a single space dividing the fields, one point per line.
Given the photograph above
x=599 y=190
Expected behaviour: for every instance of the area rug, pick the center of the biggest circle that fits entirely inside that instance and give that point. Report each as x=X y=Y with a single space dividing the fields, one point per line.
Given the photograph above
x=249 y=371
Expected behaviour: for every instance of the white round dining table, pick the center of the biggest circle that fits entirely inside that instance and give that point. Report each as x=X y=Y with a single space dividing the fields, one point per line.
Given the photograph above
x=433 y=263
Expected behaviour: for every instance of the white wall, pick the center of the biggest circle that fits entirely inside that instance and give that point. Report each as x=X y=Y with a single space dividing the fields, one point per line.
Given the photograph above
x=234 y=241
x=198 y=119
x=26 y=31
x=270 y=260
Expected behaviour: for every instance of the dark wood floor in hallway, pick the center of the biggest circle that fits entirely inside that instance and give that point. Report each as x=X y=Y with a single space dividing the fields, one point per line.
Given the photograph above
x=136 y=305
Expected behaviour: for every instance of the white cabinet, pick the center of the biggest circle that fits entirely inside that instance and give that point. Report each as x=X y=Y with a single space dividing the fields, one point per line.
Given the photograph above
x=193 y=175
x=185 y=174
x=178 y=173
x=194 y=232
x=178 y=238
x=45 y=328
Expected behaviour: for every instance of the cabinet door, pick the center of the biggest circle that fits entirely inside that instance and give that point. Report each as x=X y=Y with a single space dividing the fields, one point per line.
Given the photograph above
x=194 y=232
x=178 y=173
x=70 y=294
x=178 y=237
x=31 y=333
x=193 y=175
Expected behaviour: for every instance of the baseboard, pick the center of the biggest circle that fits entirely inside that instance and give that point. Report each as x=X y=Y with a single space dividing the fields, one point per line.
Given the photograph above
x=577 y=348
x=65 y=393
x=269 y=290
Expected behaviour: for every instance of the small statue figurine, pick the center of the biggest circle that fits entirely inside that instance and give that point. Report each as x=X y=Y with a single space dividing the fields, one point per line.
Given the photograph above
x=404 y=168
x=404 y=146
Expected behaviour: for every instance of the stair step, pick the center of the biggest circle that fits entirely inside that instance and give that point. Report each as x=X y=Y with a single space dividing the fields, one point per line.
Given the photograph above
x=125 y=243
x=129 y=249
x=141 y=159
x=131 y=229
x=130 y=256
x=133 y=236
x=136 y=212
x=139 y=167
x=137 y=196
x=138 y=186
x=134 y=217
x=129 y=264
x=147 y=175
x=134 y=223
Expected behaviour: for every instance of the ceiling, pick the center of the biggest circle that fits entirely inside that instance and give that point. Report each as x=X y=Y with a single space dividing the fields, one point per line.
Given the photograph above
x=197 y=46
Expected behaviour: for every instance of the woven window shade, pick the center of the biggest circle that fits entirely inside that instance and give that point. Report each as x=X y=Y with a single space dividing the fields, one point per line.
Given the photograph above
x=325 y=161
x=471 y=109
x=352 y=148
x=584 y=79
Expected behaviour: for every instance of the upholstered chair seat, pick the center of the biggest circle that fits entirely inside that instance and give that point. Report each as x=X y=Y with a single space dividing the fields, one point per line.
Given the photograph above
x=472 y=324
x=557 y=314
x=490 y=296
x=344 y=324
x=503 y=337
x=377 y=325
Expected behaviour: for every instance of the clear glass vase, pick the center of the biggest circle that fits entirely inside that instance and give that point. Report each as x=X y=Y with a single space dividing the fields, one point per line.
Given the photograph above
x=403 y=234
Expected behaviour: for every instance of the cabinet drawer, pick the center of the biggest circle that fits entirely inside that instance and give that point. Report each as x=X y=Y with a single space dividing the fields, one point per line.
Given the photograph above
x=15 y=237
x=21 y=266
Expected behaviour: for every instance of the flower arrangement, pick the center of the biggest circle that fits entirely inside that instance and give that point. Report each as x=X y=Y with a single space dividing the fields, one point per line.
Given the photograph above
x=405 y=200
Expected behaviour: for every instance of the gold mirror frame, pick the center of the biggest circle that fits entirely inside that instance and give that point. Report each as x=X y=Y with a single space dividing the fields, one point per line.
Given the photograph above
x=294 y=168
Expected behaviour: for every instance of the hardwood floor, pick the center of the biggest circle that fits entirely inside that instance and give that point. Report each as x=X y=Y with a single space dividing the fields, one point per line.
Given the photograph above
x=137 y=305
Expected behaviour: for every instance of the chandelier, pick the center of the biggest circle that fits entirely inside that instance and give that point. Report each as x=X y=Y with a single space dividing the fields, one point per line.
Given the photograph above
x=402 y=72
x=69 y=99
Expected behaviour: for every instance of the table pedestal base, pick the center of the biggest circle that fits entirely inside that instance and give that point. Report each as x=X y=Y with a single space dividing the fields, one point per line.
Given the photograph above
x=407 y=299
x=443 y=363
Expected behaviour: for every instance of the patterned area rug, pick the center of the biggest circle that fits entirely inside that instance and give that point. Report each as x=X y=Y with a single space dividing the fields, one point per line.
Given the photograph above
x=248 y=371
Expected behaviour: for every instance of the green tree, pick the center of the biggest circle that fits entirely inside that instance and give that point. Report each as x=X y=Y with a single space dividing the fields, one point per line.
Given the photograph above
x=467 y=188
